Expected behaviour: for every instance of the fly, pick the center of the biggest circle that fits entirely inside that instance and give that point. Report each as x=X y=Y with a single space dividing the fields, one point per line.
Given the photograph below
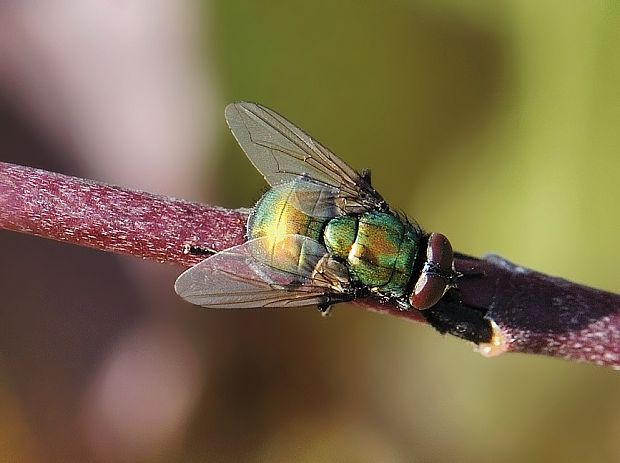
x=320 y=235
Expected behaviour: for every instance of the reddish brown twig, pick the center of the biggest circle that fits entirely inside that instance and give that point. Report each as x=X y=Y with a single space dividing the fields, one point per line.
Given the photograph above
x=111 y=218
x=499 y=306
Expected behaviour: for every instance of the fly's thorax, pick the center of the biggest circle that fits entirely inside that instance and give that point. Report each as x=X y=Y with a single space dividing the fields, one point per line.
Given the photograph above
x=379 y=248
x=340 y=235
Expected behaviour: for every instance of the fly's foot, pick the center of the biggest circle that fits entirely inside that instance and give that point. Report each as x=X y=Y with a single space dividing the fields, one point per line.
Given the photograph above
x=196 y=250
x=325 y=309
x=403 y=305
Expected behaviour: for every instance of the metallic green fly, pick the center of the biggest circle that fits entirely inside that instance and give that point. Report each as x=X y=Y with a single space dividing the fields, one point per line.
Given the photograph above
x=321 y=234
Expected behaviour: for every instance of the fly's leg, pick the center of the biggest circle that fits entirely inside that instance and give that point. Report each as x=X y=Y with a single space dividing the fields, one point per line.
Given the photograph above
x=366 y=176
x=325 y=309
x=195 y=250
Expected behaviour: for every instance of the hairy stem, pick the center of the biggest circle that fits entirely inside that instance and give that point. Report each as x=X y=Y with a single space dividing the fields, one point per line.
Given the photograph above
x=111 y=218
x=500 y=306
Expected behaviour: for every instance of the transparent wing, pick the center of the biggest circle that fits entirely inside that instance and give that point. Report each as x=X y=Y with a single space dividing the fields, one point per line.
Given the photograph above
x=313 y=199
x=261 y=274
x=282 y=152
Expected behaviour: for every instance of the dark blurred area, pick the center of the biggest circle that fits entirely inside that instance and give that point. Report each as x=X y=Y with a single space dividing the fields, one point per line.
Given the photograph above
x=494 y=123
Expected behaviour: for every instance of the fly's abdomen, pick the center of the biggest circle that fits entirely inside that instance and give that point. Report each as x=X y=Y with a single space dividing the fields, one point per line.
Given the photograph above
x=277 y=216
x=379 y=248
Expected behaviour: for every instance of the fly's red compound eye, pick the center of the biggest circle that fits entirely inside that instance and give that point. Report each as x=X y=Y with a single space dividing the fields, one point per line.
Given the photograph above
x=437 y=270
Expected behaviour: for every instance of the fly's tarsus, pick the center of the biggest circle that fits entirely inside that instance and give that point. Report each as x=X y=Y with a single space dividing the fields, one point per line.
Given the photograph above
x=198 y=250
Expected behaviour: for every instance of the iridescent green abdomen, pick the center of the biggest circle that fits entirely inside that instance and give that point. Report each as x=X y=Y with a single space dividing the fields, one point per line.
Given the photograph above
x=276 y=214
x=379 y=248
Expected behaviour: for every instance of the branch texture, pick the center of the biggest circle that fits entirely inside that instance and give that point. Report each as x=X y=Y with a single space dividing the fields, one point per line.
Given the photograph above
x=500 y=306
x=111 y=218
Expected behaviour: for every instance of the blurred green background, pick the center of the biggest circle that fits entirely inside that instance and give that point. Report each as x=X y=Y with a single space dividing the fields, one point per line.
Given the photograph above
x=495 y=123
